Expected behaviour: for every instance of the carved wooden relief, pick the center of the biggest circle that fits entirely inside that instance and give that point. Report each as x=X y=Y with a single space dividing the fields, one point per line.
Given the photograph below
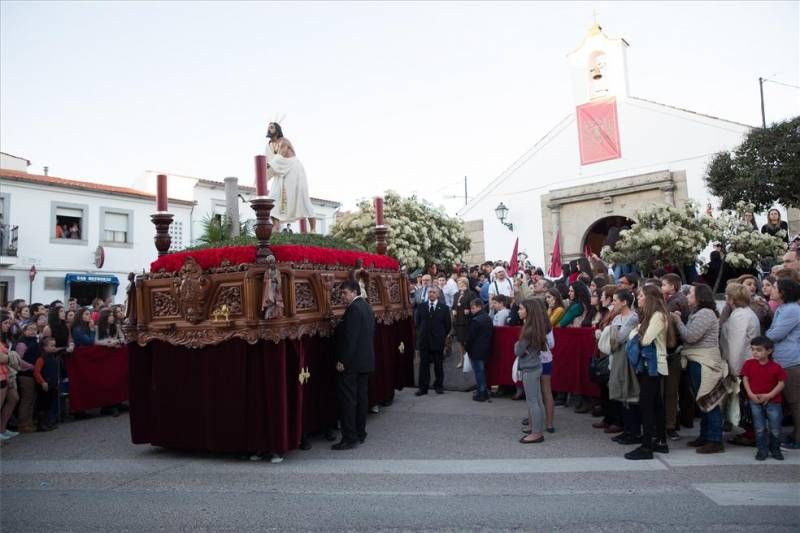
x=230 y=296
x=394 y=290
x=178 y=307
x=192 y=287
x=374 y=292
x=163 y=304
x=305 y=299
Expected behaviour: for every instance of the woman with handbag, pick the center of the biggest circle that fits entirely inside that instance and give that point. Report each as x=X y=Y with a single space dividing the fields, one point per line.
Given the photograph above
x=612 y=415
x=707 y=370
x=650 y=345
x=623 y=387
x=534 y=339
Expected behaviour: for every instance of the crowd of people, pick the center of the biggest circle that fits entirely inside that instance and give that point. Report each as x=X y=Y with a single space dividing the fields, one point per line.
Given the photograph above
x=667 y=351
x=34 y=340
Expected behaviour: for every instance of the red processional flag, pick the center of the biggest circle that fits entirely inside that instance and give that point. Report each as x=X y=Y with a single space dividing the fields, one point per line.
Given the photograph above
x=598 y=131
x=555 y=261
x=513 y=265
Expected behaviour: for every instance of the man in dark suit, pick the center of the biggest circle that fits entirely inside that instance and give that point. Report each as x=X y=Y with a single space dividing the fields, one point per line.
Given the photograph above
x=479 y=347
x=355 y=359
x=432 y=319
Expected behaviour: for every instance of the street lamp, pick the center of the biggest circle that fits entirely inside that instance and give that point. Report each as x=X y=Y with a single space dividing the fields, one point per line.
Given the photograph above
x=502 y=212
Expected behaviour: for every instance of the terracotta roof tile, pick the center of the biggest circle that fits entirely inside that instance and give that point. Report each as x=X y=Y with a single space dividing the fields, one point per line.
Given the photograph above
x=54 y=181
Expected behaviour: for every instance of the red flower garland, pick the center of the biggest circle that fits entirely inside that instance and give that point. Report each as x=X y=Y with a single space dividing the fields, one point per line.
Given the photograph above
x=284 y=253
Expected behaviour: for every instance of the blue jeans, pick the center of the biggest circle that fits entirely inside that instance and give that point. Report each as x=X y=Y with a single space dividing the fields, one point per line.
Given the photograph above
x=710 y=422
x=479 y=368
x=772 y=412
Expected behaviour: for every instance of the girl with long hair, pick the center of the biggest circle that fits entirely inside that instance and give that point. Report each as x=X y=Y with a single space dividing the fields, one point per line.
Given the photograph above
x=555 y=306
x=580 y=300
x=533 y=341
x=57 y=327
x=653 y=332
x=82 y=328
x=108 y=333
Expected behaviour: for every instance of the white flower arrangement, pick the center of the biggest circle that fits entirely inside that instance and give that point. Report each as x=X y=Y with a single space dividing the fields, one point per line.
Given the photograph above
x=419 y=234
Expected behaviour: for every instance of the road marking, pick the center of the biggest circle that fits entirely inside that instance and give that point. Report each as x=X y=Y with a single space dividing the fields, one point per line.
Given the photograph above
x=731 y=457
x=786 y=494
x=338 y=466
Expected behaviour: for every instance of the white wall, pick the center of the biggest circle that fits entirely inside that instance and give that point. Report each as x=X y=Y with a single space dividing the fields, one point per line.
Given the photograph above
x=12 y=162
x=652 y=137
x=31 y=211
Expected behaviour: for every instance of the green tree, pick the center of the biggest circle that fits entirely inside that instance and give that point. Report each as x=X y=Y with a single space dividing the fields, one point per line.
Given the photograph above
x=763 y=170
x=217 y=229
x=419 y=234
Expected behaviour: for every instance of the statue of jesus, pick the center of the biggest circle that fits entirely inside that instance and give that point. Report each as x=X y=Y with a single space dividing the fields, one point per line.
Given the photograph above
x=289 y=187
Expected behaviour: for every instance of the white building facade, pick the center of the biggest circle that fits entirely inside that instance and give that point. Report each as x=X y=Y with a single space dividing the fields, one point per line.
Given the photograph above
x=103 y=234
x=62 y=238
x=612 y=155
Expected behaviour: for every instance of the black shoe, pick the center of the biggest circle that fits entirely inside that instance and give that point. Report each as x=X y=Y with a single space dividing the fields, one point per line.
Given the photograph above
x=362 y=438
x=526 y=421
x=478 y=398
x=639 y=453
x=330 y=435
x=344 y=445
x=114 y=412
x=673 y=435
x=420 y=392
x=304 y=445
x=550 y=430
x=697 y=443
x=761 y=455
x=661 y=447
x=439 y=390
x=627 y=440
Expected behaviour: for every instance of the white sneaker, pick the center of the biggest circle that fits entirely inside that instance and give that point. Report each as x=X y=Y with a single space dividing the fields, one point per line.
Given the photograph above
x=9 y=433
x=275 y=459
x=3 y=436
x=375 y=409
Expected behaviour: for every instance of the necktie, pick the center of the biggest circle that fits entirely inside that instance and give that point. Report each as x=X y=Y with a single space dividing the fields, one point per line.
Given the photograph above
x=432 y=308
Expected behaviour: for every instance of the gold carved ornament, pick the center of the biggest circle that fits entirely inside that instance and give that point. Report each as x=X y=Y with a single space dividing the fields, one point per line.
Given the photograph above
x=304 y=376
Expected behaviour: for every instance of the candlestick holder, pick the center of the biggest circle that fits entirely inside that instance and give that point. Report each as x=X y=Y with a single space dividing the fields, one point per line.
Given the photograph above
x=263 y=226
x=381 y=244
x=162 y=222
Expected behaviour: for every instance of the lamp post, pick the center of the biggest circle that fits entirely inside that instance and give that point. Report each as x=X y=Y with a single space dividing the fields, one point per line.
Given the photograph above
x=502 y=213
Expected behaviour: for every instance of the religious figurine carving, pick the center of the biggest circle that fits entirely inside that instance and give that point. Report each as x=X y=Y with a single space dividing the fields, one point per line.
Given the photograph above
x=272 y=300
x=192 y=288
x=289 y=187
x=360 y=275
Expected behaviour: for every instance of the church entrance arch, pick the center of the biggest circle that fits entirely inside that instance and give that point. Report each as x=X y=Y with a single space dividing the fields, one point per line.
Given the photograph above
x=595 y=236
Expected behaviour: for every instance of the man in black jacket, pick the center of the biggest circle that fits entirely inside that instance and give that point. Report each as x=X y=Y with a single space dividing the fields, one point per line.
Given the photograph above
x=479 y=347
x=433 y=325
x=355 y=359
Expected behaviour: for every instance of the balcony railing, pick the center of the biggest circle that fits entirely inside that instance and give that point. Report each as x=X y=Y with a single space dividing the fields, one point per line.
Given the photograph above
x=8 y=240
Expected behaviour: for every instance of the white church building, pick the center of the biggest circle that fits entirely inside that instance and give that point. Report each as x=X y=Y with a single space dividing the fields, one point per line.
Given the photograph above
x=613 y=154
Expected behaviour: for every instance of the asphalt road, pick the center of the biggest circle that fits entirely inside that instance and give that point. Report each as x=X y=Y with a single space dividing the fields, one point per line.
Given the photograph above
x=430 y=463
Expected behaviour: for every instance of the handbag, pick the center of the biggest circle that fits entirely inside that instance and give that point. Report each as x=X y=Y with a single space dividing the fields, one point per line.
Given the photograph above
x=604 y=342
x=599 y=369
x=467 y=364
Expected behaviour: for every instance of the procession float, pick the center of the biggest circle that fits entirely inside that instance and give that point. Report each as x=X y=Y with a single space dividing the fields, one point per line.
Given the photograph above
x=230 y=349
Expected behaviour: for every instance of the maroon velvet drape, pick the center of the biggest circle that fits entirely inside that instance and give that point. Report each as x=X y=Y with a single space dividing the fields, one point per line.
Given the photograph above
x=571 y=355
x=236 y=397
x=98 y=376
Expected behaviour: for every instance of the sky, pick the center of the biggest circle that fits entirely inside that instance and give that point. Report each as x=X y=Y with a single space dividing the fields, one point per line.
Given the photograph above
x=407 y=96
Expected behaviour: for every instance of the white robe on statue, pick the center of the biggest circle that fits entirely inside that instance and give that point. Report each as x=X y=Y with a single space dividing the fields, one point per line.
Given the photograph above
x=289 y=188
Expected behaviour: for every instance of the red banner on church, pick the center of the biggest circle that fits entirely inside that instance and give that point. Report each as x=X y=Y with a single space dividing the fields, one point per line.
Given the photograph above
x=598 y=131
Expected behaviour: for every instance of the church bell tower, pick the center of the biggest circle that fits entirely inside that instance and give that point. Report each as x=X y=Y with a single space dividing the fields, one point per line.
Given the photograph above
x=599 y=67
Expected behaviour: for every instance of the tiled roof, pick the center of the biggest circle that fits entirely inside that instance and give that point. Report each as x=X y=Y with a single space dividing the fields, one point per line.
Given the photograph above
x=53 y=181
